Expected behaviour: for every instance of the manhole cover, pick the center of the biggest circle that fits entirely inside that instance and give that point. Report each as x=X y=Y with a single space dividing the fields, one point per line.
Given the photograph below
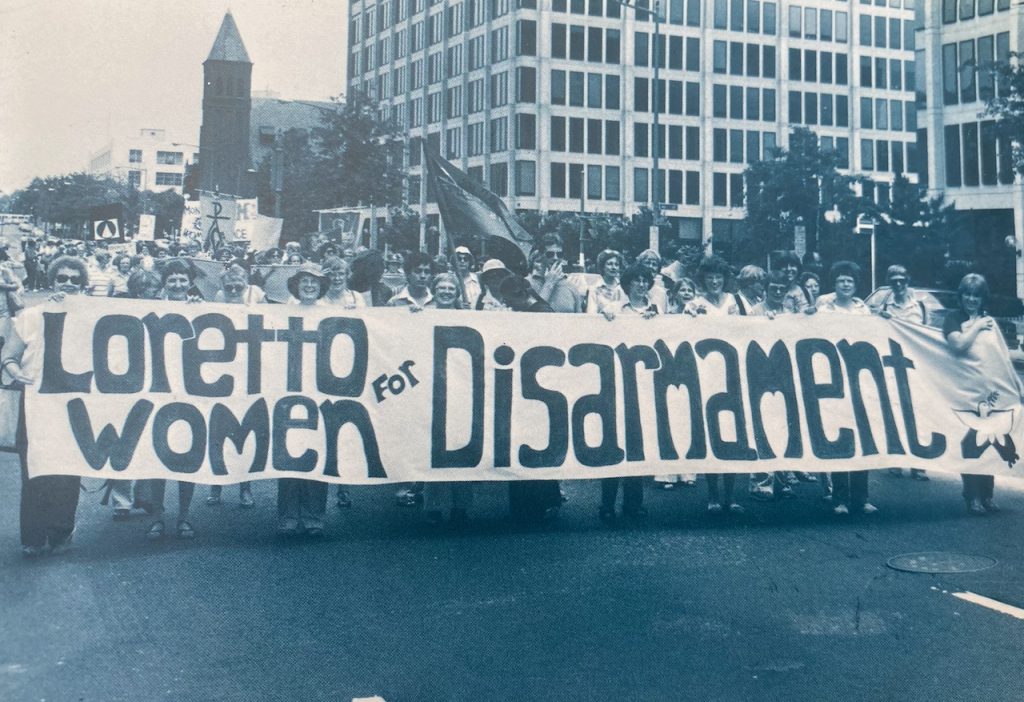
x=940 y=562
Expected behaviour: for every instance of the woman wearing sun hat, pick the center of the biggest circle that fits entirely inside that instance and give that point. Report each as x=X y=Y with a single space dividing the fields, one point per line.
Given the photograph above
x=302 y=504
x=308 y=285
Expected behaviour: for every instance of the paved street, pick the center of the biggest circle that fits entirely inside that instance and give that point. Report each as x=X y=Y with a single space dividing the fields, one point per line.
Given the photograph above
x=786 y=602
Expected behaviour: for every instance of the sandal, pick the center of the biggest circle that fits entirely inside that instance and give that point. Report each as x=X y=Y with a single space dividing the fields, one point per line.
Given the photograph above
x=185 y=530
x=156 y=531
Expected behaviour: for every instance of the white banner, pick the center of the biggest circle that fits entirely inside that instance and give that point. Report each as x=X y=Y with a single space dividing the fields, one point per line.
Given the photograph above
x=260 y=231
x=147 y=227
x=222 y=393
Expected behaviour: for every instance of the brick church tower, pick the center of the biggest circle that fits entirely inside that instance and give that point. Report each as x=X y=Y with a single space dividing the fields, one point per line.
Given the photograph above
x=224 y=163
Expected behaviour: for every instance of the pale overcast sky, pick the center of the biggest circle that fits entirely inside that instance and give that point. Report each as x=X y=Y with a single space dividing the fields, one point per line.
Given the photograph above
x=75 y=72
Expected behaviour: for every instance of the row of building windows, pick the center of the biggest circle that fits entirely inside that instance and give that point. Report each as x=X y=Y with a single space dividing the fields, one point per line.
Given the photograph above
x=644 y=48
x=737 y=102
x=969 y=68
x=579 y=43
x=885 y=32
x=881 y=113
x=602 y=182
x=746 y=16
x=891 y=74
x=682 y=142
x=823 y=24
x=166 y=158
x=977 y=155
x=812 y=66
x=962 y=10
x=882 y=155
x=568 y=88
x=643 y=101
x=825 y=109
x=730 y=57
x=578 y=135
x=739 y=146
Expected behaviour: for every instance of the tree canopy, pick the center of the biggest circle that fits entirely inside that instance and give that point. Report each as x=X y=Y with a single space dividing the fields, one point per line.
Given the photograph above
x=352 y=158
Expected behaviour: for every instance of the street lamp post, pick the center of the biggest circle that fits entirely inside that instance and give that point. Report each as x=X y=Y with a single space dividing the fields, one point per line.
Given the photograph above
x=655 y=15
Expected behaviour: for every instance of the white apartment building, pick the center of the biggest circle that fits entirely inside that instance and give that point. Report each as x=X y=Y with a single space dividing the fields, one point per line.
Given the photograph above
x=958 y=44
x=549 y=102
x=147 y=160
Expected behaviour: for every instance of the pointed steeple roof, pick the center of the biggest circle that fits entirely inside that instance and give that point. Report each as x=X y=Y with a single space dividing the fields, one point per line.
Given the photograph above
x=228 y=45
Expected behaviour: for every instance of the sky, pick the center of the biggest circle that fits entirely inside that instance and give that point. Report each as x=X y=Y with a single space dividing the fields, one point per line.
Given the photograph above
x=74 y=73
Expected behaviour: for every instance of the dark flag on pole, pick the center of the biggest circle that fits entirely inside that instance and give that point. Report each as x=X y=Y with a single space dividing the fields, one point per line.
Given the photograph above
x=107 y=222
x=470 y=212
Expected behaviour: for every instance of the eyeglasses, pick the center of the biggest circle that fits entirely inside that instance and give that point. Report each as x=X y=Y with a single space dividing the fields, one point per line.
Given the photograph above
x=463 y=257
x=73 y=279
x=898 y=281
x=553 y=254
x=777 y=288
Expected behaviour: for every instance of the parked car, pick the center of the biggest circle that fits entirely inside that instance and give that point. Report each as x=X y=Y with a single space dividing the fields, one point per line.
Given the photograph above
x=1007 y=311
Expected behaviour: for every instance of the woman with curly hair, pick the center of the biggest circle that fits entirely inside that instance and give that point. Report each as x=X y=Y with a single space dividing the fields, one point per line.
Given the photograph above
x=607 y=291
x=48 y=502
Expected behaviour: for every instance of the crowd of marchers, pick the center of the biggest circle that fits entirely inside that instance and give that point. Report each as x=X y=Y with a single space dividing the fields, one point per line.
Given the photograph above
x=326 y=273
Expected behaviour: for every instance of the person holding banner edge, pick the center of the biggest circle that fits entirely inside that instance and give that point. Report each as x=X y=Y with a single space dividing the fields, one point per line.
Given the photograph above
x=969 y=330
x=48 y=502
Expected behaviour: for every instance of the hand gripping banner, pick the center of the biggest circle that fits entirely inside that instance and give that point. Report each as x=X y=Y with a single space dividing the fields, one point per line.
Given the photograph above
x=223 y=393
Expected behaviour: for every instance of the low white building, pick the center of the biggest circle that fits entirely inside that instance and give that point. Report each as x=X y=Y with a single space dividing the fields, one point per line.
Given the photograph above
x=147 y=160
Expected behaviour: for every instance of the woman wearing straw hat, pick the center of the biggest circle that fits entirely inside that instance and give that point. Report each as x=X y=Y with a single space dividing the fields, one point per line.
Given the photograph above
x=302 y=504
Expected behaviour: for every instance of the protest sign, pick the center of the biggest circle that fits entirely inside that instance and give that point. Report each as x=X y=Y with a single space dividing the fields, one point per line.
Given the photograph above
x=147 y=227
x=192 y=219
x=107 y=222
x=223 y=393
x=219 y=213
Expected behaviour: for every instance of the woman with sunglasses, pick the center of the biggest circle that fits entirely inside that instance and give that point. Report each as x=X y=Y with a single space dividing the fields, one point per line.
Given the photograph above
x=235 y=288
x=48 y=502
x=901 y=303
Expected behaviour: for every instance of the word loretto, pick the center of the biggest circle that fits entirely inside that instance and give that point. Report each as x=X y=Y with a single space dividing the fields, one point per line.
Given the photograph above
x=219 y=393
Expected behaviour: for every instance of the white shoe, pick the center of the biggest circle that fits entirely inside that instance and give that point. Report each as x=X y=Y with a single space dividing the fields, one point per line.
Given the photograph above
x=841 y=509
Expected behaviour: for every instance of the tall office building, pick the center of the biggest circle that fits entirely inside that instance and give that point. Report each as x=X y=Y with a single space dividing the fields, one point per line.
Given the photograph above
x=958 y=43
x=549 y=102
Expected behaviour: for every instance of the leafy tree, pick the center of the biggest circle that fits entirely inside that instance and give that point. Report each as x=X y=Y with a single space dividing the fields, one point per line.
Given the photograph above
x=1008 y=109
x=792 y=186
x=402 y=233
x=916 y=231
x=352 y=158
x=66 y=201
